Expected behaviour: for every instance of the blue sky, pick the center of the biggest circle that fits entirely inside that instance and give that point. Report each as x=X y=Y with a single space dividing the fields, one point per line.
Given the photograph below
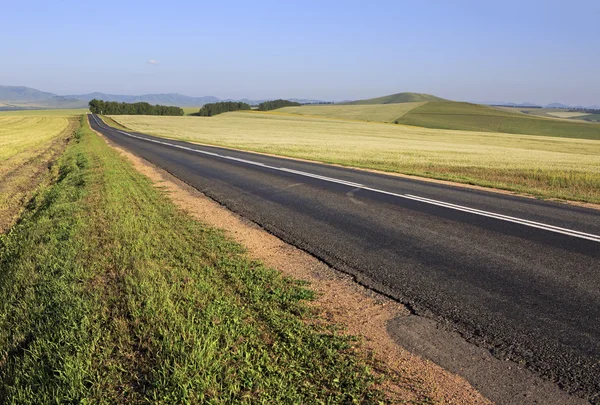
x=538 y=51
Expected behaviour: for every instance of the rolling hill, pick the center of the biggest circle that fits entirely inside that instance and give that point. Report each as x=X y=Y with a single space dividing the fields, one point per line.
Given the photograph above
x=452 y=115
x=362 y=112
x=397 y=98
x=23 y=94
x=21 y=97
x=476 y=117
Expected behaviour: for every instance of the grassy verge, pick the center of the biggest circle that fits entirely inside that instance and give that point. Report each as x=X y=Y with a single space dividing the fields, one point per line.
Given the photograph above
x=548 y=167
x=109 y=294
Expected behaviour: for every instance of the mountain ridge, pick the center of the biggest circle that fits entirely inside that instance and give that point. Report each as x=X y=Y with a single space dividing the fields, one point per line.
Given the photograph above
x=27 y=97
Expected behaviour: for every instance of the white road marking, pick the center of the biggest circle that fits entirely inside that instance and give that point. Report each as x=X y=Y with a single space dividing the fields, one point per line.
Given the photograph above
x=521 y=221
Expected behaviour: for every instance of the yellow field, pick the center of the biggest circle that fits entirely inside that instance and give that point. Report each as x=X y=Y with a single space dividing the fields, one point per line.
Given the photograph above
x=368 y=112
x=46 y=113
x=544 y=166
x=27 y=145
x=567 y=114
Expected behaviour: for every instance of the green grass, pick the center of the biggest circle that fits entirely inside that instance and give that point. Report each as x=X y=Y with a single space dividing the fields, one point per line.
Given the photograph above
x=109 y=294
x=190 y=110
x=398 y=98
x=589 y=117
x=474 y=117
x=548 y=167
x=367 y=112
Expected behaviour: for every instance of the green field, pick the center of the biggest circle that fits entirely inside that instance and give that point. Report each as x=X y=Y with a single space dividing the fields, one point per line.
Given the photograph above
x=190 y=110
x=589 y=117
x=110 y=294
x=459 y=116
x=475 y=117
x=562 y=113
x=367 y=112
x=398 y=98
x=549 y=167
x=28 y=144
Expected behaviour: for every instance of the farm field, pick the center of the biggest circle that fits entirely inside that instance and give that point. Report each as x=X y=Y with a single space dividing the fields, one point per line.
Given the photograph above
x=460 y=116
x=589 y=117
x=548 y=167
x=563 y=113
x=73 y=112
x=129 y=300
x=367 y=112
x=28 y=144
x=539 y=112
x=474 y=117
x=190 y=110
x=566 y=114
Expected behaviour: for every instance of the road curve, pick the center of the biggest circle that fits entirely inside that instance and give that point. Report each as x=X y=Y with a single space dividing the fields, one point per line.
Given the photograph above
x=518 y=276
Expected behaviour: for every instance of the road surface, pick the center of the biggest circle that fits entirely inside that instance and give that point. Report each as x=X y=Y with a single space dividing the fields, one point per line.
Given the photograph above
x=518 y=276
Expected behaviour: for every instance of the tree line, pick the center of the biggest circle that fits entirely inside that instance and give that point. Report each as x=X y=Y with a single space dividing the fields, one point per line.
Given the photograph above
x=141 y=108
x=275 y=104
x=210 y=109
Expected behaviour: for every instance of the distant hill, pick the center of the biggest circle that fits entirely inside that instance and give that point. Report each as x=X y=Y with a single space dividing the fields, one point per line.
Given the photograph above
x=26 y=97
x=174 y=99
x=17 y=97
x=557 y=105
x=397 y=98
x=23 y=94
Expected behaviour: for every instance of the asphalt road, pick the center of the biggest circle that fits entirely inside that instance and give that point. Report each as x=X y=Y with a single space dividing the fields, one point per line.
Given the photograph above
x=518 y=276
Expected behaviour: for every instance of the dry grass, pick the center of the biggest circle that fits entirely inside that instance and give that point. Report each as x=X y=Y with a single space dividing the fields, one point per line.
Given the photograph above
x=549 y=167
x=27 y=145
x=567 y=114
x=373 y=112
x=71 y=112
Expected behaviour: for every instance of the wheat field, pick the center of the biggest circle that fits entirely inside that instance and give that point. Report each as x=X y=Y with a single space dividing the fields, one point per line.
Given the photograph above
x=28 y=143
x=65 y=112
x=367 y=112
x=549 y=167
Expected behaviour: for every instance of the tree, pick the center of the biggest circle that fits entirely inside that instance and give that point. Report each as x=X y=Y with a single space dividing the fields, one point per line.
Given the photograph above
x=275 y=104
x=210 y=109
x=142 y=108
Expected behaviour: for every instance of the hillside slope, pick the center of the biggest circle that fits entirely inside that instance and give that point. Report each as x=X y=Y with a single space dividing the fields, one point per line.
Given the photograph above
x=365 y=112
x=476 y=117
x=23 y=94
x=26 y=97
x=398 y=98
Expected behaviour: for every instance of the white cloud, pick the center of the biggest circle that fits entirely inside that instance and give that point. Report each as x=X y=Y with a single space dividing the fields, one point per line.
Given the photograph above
x=153 y=62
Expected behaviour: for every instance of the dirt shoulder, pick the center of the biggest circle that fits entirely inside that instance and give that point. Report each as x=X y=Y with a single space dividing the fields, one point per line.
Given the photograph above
x=340 y=300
